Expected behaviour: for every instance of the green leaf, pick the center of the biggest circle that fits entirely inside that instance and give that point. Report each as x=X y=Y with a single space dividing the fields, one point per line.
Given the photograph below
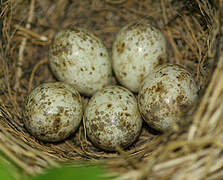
x=9 y=171
x=4 y=174
x=73 y=173
x=5 y=170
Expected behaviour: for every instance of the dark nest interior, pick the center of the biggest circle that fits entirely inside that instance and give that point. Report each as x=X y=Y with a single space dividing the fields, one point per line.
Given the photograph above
x=193 y=31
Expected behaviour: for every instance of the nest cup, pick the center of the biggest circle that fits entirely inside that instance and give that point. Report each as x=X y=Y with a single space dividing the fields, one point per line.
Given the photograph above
x=191 y=149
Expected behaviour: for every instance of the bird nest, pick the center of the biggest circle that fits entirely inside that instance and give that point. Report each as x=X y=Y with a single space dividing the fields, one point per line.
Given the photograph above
x=193 y=149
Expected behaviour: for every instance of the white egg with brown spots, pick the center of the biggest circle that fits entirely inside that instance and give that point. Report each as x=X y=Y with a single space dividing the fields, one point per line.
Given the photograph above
x=112 y=118
x=138 y=48
x=166 y=95
x=53 y=111
x=80 y=58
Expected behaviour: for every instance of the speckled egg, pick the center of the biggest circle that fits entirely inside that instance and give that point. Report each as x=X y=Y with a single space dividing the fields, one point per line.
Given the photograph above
x=53 y=111
x=165 y=95
x=112 y=118
x=79 y=58
x=138 y=48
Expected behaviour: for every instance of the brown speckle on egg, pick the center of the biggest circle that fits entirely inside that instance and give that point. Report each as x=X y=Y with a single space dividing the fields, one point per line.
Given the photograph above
x=138 y=48
x=109 y=121
x=53 y=111
x=80 y=58
x=165 y=95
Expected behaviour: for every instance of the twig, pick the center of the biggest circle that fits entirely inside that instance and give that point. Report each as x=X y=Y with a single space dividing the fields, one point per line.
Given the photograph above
x=125 y=155
x=43 y=61
x=9 y=90
x=32 y=33
x=22 y=47
x=169 y=34
x=115 y=2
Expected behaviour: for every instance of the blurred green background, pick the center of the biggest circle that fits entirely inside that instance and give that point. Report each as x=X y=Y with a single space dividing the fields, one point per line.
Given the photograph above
x=9 y=171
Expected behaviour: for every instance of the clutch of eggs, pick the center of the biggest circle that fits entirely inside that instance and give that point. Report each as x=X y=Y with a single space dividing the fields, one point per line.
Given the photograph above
x=138 y=48
x=165 y=94
x=53 y=111
x=79 y=58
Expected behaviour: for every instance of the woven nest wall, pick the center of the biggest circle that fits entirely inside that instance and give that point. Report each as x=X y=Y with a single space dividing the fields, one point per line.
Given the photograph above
x=193 y=149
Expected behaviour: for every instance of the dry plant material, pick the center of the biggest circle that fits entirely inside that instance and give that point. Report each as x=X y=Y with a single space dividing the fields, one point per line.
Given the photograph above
x=192 y=31
x=43 y=61
x=23 y=46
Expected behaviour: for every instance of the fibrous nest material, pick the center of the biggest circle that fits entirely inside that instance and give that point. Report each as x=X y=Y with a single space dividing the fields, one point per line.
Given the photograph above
x=193 y=30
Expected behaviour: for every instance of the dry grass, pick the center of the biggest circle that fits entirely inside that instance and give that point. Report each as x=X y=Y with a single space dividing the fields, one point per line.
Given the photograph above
x=194 y=33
